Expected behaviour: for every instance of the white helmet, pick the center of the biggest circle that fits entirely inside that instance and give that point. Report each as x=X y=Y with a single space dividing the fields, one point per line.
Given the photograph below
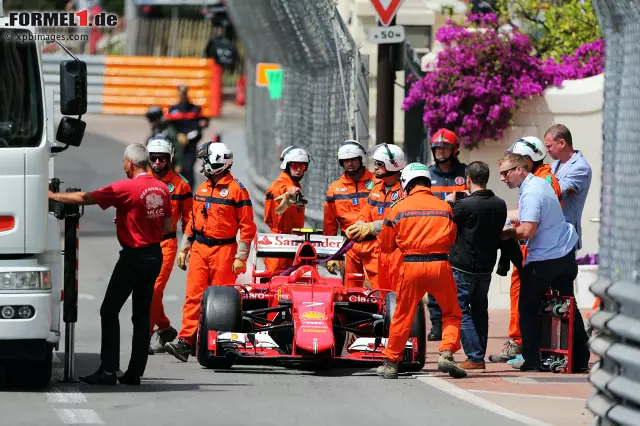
x=391 y=155
x=219 y=158
x=160 y=145
x=351 y=149
x=531 y=146
x=293 y=154
x=412 y=171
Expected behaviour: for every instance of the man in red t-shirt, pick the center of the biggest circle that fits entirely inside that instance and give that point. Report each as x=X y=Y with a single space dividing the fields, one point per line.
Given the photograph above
x=143 y=215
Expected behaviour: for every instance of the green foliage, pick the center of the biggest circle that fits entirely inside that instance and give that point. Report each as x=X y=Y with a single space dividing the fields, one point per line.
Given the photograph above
x=556 y=27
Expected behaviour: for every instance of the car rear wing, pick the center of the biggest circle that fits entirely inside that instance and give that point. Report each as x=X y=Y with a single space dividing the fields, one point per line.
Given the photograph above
x=286 y=245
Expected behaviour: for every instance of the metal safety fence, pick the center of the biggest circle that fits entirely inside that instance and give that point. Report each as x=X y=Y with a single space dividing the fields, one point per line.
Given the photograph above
x=616 y=378
x=324 y=91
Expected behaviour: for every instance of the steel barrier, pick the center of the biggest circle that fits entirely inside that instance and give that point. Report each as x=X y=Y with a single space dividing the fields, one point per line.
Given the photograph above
x=128 y=85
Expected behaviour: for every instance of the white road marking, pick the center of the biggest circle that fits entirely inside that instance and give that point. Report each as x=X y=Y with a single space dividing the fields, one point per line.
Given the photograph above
x=85 y=296
x=78 y=416
x=526 y=395
x=66 y=396
x=469 y=397
x=170 y=298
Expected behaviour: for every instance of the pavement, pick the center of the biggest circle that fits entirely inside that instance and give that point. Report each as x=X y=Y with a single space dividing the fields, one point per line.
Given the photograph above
x=174 y=392
x=543 y=398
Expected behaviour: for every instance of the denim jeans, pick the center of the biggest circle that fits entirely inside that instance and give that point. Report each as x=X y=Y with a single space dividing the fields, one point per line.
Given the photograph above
x=473 y=292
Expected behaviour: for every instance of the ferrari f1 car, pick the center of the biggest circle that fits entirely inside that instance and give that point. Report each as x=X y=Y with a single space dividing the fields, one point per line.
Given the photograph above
x=300 y=315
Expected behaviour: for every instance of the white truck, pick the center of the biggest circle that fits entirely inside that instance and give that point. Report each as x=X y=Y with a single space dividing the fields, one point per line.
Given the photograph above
x=31 y=256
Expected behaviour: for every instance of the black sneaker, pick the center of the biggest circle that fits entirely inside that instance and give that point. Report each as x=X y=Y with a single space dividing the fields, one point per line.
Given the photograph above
x=436 y=333
x=100 y=378
x=129 y=379
x=180 y=350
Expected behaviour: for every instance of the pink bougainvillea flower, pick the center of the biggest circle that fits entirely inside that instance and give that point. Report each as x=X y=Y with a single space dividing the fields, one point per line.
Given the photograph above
x=481 y=76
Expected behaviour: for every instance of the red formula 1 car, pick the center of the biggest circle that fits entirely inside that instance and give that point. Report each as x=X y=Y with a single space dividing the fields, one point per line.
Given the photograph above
x=302 y=316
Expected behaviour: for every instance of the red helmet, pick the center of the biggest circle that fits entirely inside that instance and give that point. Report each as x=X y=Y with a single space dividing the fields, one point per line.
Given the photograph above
x=444 y=137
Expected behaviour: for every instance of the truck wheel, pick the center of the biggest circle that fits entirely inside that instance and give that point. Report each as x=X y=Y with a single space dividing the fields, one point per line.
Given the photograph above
x=32 y=374
x=418 y=330
x=221 y=310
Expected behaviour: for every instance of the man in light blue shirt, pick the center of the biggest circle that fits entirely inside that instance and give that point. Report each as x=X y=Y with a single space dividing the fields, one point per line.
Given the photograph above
x=550 y=263
x=573 y=173
x=538 y=204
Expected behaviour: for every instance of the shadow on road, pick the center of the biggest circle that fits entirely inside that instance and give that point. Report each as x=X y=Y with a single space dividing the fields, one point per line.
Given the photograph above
x=298 y=371
x=154 y=387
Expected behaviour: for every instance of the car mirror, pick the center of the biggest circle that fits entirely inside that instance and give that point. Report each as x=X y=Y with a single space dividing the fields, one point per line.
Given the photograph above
x=71 y=131
x=73 y=87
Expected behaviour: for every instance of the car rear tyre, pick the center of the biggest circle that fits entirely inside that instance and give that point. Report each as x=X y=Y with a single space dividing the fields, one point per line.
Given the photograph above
x=221 y=311
x=418 y=330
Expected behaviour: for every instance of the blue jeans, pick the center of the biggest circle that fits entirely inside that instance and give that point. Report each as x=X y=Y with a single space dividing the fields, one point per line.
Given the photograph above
x=473 y=290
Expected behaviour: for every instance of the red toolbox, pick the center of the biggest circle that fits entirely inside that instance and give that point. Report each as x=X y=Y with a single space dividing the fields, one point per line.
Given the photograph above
x=556 y=344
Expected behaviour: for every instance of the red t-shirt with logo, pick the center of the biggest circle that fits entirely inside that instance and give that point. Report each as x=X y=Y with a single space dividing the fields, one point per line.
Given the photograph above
x=141 y=205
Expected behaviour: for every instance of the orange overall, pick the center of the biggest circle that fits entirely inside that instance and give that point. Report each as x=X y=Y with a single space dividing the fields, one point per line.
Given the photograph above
x=378 y=203
x=220 y=210
x=543 y=172
x=292 y=218
x=181 y=204
x=345 y=199
x=594 y=308
x=421 y=226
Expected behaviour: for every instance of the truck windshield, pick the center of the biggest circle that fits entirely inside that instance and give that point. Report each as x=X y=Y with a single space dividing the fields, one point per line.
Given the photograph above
x=21 y=116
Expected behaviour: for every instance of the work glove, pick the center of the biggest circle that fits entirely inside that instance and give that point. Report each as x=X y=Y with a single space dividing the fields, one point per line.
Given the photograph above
x=333 y=266
x=287 y=200
x=182 y=138
x=359 y=230
x=239 y=266
x=183 y=259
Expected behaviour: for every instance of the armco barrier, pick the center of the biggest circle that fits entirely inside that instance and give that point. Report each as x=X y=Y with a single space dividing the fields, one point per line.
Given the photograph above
x=95 y=78
x=128 y=85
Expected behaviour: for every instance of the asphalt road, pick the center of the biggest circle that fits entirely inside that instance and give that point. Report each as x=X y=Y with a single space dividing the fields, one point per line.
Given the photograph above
x=184 y=393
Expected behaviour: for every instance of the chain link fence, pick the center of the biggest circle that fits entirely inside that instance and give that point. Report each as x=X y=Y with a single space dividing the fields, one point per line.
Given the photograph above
x=323 y=99
x=616 y=377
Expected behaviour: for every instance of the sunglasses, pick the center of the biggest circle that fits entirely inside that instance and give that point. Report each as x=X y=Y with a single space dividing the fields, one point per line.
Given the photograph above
x=504 y=173
x=379 y=164
x=160 y=158
x=298 y=166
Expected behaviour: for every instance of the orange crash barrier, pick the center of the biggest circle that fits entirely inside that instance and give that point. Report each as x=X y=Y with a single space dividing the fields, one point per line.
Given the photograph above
x=134 y=83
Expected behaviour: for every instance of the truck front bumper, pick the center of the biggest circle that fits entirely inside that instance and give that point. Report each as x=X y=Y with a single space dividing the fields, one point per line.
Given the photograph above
x=37 y=327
